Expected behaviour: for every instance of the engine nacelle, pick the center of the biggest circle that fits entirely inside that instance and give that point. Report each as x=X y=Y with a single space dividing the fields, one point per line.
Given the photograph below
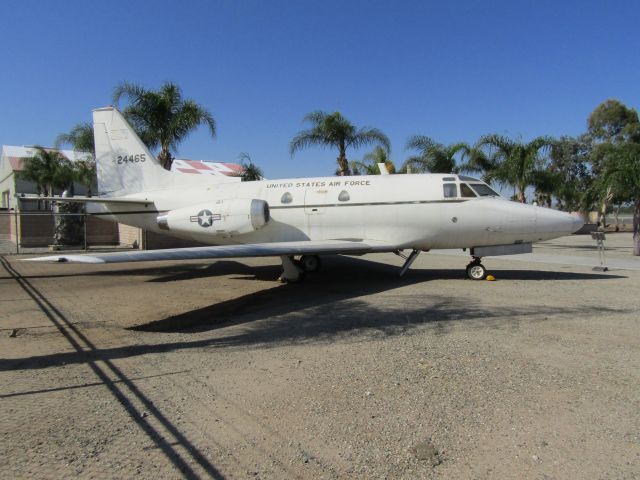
x=224 y=218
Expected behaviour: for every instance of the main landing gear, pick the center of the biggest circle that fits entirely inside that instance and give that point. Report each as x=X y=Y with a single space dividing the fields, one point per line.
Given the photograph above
x=310 y=263
x=295 y=270
x=475 y=270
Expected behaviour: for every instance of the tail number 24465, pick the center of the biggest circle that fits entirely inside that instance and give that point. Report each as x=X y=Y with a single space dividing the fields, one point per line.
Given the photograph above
x=124 y=159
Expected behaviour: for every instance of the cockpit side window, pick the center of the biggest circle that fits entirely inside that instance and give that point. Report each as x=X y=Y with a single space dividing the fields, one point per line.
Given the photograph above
x=466 y=191
x=484 y=190
x=450 y=190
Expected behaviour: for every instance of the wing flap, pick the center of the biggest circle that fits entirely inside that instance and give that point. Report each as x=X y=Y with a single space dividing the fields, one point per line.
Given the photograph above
x=228 y=251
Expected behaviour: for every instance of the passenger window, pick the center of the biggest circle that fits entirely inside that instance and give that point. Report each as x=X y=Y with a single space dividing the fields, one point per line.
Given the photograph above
x=450 y=190
x=286 y=198
x=466 y=190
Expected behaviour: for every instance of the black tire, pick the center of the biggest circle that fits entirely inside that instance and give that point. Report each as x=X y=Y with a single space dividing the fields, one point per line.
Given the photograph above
x=310 y=263
x=476 y=271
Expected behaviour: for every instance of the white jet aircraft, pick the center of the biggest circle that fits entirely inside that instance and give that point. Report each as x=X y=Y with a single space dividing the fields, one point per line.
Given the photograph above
x=303 y=217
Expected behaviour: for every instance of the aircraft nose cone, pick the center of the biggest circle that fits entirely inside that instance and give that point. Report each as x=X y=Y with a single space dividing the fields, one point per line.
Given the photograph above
x=557 y=223
x=577 y=221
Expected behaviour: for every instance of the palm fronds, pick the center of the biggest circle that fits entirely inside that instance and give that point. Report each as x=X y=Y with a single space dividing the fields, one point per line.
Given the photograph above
x=335 y=131
x=162 y=118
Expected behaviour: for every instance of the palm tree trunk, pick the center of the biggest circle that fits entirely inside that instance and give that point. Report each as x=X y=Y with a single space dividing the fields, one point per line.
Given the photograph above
x=39 y=190
x=49 y=193
x=165 y=159
x=344 y=165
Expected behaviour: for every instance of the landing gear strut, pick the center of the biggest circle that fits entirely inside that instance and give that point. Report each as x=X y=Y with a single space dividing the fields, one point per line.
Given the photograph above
x=475 y=270
x=294 y=270
x=408 y=260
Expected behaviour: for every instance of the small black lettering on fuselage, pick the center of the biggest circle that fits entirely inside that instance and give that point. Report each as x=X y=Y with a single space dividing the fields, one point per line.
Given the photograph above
x=332 y=183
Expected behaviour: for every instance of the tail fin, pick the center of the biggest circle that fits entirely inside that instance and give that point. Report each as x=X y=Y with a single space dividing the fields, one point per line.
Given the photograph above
x=124 y=163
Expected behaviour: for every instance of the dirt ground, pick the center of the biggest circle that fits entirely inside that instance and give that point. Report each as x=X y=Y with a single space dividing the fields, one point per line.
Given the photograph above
x=212 y=369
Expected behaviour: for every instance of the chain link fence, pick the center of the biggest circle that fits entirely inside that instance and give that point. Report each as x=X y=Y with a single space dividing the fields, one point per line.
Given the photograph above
x=54 y=230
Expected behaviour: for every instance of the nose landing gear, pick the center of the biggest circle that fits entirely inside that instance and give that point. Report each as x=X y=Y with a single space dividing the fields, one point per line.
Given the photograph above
x=475 y=270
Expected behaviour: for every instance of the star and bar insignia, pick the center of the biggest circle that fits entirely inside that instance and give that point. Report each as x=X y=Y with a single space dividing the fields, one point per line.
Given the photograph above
x=205 y=218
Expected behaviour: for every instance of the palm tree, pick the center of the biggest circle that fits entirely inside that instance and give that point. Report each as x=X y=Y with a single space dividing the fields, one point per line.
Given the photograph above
x=481 y=162
x=251 y=172
x=547 y=184
x=333 y=130
x=162 y=118
x=85 y=174
x=80 y=138
x=516 y=162
x=434 y=157
x=48 y=169
x=369 y=163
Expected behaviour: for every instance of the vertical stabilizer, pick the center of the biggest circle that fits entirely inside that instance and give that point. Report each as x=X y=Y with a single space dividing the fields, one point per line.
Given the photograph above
x=124 y=163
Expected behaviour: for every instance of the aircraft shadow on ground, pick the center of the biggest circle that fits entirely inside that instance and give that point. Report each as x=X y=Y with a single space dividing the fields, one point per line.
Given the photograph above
x=327 y=307
x=330 y=299
x=343 y=269
x=285 y=318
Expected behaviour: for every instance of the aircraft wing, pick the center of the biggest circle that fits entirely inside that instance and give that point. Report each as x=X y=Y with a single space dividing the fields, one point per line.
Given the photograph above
x=318 y=247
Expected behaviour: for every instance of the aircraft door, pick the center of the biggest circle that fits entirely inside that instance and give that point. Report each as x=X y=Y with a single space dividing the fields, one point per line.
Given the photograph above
x=315 y=201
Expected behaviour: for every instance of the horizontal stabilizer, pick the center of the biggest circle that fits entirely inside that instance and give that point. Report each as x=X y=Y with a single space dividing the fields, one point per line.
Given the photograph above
x=131 y=201
x=228 y=251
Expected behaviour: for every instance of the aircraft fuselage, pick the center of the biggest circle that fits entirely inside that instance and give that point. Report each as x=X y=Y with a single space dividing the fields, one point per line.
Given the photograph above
x=408 y=210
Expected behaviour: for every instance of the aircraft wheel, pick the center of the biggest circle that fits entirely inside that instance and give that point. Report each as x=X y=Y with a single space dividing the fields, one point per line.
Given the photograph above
x=310 y=263
x=476 y=271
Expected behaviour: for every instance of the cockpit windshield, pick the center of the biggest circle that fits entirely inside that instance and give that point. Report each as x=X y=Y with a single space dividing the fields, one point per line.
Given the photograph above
x=483 y=190
x=466 y=191
x=467 y=188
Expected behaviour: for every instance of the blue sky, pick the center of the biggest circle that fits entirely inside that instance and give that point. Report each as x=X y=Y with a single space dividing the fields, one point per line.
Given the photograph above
x=450 y=70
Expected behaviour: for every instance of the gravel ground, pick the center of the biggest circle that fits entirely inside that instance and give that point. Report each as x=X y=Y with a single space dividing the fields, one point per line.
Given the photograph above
x=212 y=369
